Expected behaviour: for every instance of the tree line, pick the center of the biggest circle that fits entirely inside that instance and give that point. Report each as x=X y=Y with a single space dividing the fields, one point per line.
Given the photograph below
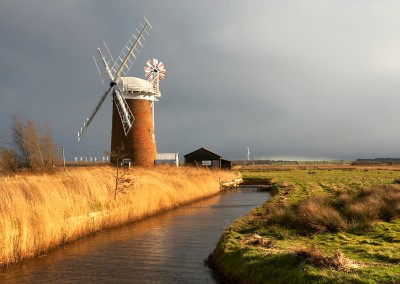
x=33 y=148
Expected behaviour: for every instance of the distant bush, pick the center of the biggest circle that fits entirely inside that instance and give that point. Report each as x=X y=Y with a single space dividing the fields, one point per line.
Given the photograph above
x=346 y=211
x=9 y=160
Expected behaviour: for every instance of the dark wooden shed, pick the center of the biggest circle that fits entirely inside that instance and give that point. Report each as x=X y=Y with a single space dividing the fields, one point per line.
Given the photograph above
x=225 y=164
x=206 y=158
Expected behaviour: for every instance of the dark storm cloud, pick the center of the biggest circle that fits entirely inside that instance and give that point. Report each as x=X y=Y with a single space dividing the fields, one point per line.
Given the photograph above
x=316 y=79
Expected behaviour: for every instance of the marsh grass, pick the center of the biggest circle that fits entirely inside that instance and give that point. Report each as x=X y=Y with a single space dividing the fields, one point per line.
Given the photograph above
x=355 y=212
x=332 y=226
x=40 y=212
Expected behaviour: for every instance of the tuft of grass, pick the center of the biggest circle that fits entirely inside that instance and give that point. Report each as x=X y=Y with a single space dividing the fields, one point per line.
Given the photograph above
x=397 y=181
x=377 y=203
x=317 y=215
x=316 y=257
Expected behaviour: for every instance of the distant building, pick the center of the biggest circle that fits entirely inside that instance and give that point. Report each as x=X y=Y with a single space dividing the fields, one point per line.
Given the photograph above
x=167 y=158
x=206 y=158
x=126 y=163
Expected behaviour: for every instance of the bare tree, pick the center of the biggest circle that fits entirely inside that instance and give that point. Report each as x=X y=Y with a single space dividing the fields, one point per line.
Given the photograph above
x=122 y=183
x=48 y=146
x=34 y=144
x=36 y=151
x=21 y=142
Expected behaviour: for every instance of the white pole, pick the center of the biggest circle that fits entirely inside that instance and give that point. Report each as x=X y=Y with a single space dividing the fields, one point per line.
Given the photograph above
x=154 y=127
x=63 y=154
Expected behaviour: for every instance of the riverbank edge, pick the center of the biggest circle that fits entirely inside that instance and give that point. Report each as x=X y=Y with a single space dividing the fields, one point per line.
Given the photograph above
x=96 y=221
x=229 y=267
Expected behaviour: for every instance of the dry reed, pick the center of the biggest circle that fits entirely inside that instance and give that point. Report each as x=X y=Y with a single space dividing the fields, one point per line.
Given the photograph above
x=316 y=214
x=348 y=211
x=40 y=212
x=315 y=256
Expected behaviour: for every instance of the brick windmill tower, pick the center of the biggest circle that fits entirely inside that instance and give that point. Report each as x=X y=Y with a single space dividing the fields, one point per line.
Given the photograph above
x=133 y=100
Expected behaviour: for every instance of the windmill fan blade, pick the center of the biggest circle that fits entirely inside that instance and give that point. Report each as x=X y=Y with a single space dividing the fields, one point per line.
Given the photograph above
x=89 y=119
x=149 y=63
x=161 y=68
x=124 y=111
x=155 y=62
x=147 y=70
x=162 y=74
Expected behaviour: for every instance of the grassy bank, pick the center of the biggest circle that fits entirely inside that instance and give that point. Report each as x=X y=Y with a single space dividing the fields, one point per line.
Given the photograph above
x=40 y=212
x=322 y=226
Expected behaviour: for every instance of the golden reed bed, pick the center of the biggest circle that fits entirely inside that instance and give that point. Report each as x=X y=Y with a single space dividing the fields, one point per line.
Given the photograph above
x=41 y=212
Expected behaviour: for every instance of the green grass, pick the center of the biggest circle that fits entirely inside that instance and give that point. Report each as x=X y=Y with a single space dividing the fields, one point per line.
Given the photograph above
x=371 y=253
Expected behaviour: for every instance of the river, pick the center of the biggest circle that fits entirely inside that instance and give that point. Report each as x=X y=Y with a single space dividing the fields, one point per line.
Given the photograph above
x=168 y=248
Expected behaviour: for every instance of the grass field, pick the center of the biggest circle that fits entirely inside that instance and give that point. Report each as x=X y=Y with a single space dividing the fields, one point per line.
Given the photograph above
x=323 y=225
x=42 y=211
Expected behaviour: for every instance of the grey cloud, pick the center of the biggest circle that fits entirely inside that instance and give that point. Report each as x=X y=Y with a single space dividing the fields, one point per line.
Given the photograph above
x=286 y=78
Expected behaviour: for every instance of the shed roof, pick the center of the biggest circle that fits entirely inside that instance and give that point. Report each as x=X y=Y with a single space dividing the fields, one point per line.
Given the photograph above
x=202 y=151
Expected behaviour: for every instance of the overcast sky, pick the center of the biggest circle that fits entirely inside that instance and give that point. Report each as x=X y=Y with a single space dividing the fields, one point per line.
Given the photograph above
x=289 y=79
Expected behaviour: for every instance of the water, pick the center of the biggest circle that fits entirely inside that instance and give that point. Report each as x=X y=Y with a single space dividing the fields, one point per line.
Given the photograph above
x=169 y=248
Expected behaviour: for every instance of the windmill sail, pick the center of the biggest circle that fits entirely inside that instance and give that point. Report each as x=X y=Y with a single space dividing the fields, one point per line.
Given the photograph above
x=131 y=50
x=124 y=111
x=105 y=60
x=115 y=70
x=90 y=118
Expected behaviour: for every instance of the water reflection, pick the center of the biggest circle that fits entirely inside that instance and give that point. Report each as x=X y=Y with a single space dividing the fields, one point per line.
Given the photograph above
x=168 y=248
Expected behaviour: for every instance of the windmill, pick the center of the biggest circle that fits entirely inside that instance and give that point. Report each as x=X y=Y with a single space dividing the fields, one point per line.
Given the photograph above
x=133 y=100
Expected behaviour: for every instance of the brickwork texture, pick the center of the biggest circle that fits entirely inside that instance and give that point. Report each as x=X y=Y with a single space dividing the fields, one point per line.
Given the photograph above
x=138 y=144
